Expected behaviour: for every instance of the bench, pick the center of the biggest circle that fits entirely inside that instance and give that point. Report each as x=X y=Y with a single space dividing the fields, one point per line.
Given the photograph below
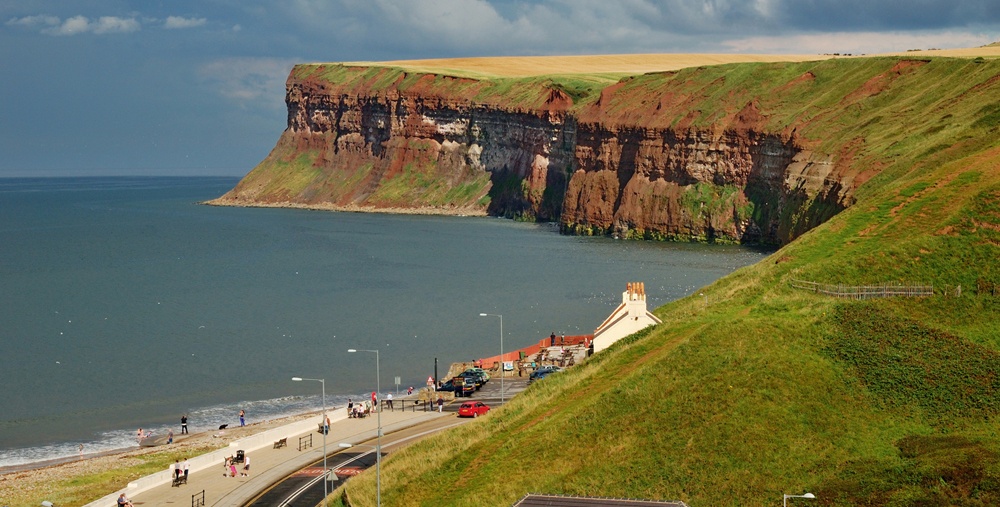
x=281 y=443
x=321 y=428
x=180 y=479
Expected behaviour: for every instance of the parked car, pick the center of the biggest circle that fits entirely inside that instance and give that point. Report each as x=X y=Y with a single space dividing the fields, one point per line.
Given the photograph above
x=473 y=409
x=447 y=386
x=486 y=376
x=464 y=386
x=477 y=377
x=542 y=371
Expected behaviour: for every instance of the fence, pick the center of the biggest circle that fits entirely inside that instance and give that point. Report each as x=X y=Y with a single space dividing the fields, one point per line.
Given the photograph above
x=198 y=499
x=885 y=290
x=305 y=442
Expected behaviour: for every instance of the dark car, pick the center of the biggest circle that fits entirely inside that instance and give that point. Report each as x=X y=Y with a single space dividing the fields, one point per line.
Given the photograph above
x=464 y=386
x=543 y=372
x=447 y=386
x=477 y=377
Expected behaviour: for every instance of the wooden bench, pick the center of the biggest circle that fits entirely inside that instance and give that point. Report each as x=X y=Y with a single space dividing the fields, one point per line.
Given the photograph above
x=281 y=443
x=180 y=479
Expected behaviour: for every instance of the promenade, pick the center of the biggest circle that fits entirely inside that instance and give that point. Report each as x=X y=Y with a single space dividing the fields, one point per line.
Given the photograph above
x=267 y=464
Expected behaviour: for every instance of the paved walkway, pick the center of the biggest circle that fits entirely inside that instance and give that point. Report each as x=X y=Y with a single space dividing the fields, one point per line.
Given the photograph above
x=268 y=465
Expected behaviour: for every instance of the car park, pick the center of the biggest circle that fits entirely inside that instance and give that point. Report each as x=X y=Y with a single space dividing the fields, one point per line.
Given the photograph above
x=473 y=409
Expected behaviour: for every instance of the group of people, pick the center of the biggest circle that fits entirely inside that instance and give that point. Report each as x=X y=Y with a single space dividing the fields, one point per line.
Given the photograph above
x=177 y=468
x=229 y=467
x=359 y=409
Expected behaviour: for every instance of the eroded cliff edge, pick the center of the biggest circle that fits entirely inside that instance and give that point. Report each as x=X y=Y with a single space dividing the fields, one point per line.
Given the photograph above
x=744 y=152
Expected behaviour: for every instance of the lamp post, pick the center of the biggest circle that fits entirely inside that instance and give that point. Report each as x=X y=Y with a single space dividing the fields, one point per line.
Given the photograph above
x=326 y=430
x=784 y=499
x=378 y=437
x=501 y=350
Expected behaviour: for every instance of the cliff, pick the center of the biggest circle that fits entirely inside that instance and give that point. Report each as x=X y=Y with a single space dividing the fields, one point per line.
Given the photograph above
x=744 y=152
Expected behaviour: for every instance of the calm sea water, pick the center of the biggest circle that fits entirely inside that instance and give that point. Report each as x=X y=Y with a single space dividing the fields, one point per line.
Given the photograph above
x=125 y=304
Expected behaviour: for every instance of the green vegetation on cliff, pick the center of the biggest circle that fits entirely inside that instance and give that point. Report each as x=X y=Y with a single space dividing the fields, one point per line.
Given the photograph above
x=767 y=389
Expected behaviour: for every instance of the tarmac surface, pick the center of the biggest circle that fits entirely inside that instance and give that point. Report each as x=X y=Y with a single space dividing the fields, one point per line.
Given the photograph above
x=290 y=465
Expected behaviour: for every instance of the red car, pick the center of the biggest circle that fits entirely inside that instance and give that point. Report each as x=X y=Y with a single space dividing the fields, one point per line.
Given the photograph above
x=473 y=409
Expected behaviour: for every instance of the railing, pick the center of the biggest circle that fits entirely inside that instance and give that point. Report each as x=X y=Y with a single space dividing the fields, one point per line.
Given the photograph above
x=305 y=442
x=198 y=499
x=885 y=290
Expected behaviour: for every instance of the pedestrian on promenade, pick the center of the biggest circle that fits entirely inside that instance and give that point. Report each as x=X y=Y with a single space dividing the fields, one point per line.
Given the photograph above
x=184 y=424
x=186 y=466
x=440 y=403
x=388 y=400
x=242 y=420
x=246 y=465
x=350 y=408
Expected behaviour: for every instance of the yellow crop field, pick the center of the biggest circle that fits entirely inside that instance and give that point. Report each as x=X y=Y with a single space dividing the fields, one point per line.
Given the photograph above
x=628 y=64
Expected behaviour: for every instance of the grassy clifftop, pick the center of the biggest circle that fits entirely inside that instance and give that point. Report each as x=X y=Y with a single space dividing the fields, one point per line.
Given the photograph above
x=768 y=389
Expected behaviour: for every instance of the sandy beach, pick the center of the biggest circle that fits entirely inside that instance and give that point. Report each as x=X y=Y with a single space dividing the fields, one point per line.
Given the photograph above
x=29 y=484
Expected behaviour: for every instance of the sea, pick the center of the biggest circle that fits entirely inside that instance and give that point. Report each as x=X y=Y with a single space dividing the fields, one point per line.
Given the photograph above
x=125 y=303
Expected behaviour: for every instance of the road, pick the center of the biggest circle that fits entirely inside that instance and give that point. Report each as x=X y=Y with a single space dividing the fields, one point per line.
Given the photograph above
x=305 y=487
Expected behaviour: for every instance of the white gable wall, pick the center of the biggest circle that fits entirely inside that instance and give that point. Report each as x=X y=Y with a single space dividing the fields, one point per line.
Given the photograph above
x=629 y=317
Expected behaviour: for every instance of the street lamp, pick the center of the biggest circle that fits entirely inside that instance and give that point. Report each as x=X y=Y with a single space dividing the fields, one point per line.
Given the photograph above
x=378 y=436
x=326 y=429
x=501 y=349
x=784 y=500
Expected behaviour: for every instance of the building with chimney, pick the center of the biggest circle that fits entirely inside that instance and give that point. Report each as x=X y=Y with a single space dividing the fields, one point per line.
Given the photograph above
x=629 y=317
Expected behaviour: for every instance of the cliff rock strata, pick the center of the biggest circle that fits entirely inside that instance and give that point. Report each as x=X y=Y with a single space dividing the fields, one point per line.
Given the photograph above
x=634 y=161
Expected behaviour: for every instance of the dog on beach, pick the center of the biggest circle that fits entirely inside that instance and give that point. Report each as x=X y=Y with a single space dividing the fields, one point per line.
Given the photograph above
x=223 y=426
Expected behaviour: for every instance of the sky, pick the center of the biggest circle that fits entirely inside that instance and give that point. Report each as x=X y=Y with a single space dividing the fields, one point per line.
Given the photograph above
x=183 y=87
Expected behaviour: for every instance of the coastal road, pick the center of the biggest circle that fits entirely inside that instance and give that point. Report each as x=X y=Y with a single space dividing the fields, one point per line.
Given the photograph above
x=305 y=487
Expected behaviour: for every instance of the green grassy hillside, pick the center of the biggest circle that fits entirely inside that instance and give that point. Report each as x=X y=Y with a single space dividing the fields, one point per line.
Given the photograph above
x=769 y=389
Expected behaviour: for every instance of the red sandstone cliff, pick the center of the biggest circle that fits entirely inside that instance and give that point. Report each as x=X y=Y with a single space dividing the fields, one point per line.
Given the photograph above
x=650 y=157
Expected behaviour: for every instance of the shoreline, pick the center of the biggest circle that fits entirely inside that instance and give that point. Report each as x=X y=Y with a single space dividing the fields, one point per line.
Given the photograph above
x=36 y=480
x=422 y=210
x=181 y=442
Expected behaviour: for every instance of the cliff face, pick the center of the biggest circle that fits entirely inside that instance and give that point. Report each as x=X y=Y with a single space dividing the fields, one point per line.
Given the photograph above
x=695 y=154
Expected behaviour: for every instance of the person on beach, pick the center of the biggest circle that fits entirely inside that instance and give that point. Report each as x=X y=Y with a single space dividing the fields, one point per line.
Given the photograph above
x=170 y=436
x=138 y=436
x=409 y=391
x=184 y=424
x=242 y=420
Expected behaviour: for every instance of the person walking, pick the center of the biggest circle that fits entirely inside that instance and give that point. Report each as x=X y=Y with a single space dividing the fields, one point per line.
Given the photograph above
x=184 y=424
x=243 y=421
x=246 y=465
x=186 y=466
x=388 y=400
x=440 y=403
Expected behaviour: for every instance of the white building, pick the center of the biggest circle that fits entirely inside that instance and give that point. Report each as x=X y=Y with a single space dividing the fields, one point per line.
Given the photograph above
x=629 y=317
